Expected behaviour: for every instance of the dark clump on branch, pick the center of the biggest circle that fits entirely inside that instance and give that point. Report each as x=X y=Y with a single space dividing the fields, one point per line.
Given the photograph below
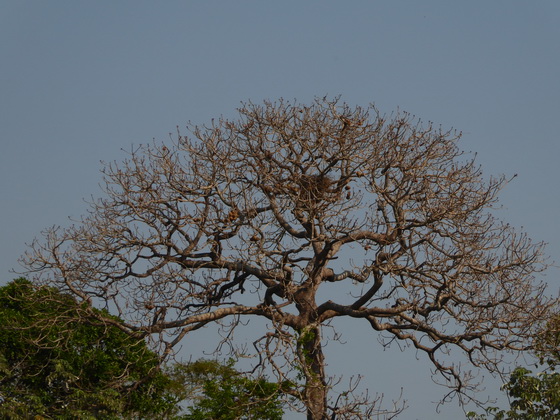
x=313 y=189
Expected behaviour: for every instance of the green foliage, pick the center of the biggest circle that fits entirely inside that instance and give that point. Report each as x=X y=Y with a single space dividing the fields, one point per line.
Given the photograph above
x=56 y=362
x=534 y=396
x=218 y=391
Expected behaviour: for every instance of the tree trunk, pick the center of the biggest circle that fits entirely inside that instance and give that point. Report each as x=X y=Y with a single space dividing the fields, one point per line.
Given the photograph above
x=313 y=364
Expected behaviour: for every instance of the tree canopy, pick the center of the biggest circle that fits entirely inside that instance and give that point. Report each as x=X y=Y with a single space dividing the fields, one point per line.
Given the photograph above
x=264 y=215
x=535 y=396
x=56 y=363
x=218 y=391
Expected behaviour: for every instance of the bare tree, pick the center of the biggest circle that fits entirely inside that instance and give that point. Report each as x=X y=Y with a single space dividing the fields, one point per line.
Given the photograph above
x=290 y=200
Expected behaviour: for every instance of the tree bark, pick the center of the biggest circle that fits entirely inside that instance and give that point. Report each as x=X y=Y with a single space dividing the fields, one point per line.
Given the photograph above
x=313 y=363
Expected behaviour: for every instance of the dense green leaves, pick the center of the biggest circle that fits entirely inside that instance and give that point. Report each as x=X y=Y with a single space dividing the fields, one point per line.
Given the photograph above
x=218 y=391
x=535 y=396
x=58 y=363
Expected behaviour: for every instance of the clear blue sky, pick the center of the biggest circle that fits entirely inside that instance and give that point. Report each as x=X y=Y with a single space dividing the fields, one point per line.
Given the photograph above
x=79 y=81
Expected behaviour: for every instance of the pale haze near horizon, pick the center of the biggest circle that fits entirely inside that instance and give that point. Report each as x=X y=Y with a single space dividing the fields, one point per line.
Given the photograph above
x=82 y=80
